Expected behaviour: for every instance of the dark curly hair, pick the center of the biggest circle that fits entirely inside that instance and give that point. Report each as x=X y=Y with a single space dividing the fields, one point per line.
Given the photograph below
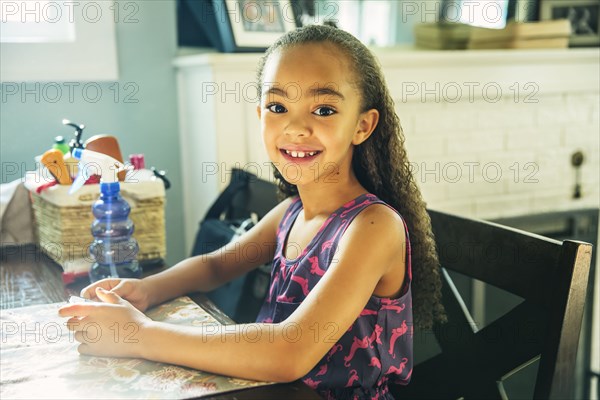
x=388 y=177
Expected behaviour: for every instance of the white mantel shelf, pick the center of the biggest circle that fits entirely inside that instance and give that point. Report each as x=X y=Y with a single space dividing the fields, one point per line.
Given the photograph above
x=412 y=57
x=551 y=69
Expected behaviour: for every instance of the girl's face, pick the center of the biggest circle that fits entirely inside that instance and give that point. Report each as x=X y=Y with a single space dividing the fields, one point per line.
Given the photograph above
x=310 y=114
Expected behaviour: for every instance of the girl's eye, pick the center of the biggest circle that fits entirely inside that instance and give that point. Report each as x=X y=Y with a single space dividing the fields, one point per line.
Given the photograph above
x=324 y=111
x=276 y=108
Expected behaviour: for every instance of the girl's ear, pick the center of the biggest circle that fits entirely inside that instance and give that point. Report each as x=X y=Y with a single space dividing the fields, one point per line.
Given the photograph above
x=258 y=111
x=367 y=123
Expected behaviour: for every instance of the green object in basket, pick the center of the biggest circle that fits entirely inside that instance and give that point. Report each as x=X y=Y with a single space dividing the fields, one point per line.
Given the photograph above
x=59 y=144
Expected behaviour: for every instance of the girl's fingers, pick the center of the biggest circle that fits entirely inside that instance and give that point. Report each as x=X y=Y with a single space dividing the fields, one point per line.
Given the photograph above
x=75 y=323
x=123 y=288
x=107 y=297
x=83 y=348
x=76 y=310
x=89 y=333
x=89 y=292
x=88 y=350
x=78 y=336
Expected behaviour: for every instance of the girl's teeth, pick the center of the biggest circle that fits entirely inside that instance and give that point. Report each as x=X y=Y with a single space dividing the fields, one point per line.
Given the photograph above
x=300 y=154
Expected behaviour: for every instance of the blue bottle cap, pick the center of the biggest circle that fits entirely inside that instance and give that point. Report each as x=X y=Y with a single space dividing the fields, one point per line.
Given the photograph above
x=109 y=188
x=77 y=153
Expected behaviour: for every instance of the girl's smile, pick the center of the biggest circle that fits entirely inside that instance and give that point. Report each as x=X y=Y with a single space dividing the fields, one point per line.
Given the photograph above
x=299 y=154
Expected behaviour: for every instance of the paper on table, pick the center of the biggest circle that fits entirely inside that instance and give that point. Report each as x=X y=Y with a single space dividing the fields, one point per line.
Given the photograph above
x=39 y=360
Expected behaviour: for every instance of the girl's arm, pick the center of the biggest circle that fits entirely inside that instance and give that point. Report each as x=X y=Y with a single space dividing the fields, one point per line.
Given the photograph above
x=371 y=249
x=209 y=271
x=251 y=351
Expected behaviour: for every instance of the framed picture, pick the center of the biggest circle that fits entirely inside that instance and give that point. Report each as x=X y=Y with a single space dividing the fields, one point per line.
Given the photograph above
x=584 y=16
x=253 y=25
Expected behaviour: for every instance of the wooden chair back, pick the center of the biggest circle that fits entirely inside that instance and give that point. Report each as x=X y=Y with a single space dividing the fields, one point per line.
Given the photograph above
x=550 y=276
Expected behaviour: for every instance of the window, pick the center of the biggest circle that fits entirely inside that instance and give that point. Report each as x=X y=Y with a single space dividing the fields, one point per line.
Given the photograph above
x=44 y=40
x=35 y=22
x=373 y=22
x=483 y=13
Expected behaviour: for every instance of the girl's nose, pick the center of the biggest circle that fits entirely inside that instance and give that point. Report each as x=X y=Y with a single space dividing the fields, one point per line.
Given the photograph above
x=297 y=127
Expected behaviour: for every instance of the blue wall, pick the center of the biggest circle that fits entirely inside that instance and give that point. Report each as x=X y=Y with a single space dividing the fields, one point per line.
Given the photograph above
x=146 y=50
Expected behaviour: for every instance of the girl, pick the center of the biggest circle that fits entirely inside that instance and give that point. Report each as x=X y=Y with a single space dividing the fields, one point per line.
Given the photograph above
x=342 y=275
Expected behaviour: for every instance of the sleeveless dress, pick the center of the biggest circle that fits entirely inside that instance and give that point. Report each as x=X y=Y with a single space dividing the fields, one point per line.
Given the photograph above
x=377 y=348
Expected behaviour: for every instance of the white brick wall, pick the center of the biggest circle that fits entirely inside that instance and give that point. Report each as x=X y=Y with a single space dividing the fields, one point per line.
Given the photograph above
x=513 y=154
x=530 y=146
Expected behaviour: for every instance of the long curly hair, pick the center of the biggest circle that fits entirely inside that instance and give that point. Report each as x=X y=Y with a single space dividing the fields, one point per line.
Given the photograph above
x=387 y=177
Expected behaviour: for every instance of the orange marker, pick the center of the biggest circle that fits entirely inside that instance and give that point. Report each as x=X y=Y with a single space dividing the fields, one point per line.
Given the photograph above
x=53 y=160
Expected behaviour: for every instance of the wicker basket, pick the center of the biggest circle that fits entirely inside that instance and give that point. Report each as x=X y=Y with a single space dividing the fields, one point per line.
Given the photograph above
x=63 y=221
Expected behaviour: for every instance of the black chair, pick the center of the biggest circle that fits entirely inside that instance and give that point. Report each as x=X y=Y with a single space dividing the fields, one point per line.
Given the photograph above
x=247 y=198
x=551 y=277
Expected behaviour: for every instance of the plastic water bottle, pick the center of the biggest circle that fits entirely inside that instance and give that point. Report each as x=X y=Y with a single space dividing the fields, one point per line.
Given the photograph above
x=114 y=249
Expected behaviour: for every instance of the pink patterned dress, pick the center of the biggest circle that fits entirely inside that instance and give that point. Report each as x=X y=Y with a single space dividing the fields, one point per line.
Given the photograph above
x=377 y=348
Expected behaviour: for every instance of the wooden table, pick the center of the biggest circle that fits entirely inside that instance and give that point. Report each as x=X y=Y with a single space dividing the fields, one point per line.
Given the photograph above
x=29 y=277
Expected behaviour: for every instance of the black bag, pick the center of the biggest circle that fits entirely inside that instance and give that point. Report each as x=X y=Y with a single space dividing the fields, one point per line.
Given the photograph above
x=237 y=209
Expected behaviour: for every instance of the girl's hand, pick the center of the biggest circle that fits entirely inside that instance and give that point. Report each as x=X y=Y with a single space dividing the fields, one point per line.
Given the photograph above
x=112 y=328
x=132 y=290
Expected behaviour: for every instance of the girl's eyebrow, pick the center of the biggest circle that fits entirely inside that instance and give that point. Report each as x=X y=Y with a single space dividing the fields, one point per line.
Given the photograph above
x=314 y=92
x=320 y=91
x=276 y=91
